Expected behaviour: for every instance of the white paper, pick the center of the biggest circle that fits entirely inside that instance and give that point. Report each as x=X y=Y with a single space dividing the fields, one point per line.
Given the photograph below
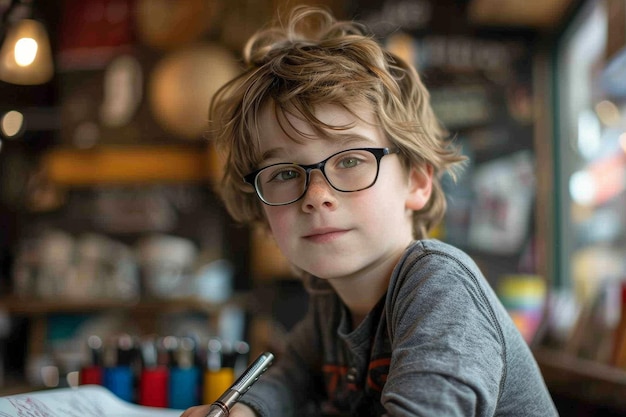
x=83 y=401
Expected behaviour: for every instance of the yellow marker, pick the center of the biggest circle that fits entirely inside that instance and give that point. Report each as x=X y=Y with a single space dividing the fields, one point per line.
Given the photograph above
x=216 y=382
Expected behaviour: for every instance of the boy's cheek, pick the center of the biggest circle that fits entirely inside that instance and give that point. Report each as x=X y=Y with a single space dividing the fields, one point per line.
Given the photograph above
x=277 y=221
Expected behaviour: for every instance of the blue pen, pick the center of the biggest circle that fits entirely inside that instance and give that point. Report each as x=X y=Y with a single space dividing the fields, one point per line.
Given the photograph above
x=119 y=378
x=184 y=387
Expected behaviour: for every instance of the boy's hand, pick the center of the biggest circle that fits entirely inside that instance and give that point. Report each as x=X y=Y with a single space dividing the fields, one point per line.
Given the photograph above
x=238 y=410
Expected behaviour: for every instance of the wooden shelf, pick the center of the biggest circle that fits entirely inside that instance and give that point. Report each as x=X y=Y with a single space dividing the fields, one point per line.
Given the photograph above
x=582 y=379
x=130 y=165
x=542 y=14
x=34 y=306
x=12 y=387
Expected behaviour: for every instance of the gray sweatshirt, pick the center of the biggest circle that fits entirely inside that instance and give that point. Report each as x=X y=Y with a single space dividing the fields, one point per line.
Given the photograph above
x=439 y=343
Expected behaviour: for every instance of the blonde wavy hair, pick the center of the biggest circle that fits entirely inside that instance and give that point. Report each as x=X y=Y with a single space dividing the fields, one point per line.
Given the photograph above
x=315 y=59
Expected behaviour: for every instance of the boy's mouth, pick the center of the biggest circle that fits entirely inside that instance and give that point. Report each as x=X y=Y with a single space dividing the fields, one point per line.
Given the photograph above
x=323 y=235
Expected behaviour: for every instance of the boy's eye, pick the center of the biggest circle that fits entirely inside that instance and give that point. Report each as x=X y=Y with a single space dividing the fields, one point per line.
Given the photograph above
x=285 y=175
x=348 y=162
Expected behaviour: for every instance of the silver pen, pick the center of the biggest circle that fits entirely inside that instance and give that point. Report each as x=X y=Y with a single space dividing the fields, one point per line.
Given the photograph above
x=221 y=407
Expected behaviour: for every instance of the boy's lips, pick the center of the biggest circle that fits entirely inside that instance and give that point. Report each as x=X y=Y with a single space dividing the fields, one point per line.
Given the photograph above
x=324 y=234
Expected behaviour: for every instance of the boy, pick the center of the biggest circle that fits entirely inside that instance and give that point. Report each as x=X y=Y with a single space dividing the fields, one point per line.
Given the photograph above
x=332 y=144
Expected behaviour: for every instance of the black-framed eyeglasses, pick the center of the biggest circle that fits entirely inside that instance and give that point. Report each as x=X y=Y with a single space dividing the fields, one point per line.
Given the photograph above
x=346 y=171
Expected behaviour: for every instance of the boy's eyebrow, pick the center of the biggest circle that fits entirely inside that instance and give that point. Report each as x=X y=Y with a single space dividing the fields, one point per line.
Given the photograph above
x=273 y=153
x=350 y=138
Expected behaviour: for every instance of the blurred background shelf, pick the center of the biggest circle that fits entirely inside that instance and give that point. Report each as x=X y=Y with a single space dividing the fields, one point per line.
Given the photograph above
x=14 y=386
x=107 y=165
x=581 y=380
x=31 y=306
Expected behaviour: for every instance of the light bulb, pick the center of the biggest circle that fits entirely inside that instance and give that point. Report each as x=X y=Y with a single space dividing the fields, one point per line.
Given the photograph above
x=25 y=51
x=11 y=123
x=26 y=57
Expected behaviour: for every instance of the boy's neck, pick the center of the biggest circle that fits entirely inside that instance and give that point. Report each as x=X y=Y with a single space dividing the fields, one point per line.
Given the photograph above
x=360 y=302
x=362 y=291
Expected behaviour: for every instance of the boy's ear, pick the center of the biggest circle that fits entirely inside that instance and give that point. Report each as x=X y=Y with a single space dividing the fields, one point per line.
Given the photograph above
x=420 y=187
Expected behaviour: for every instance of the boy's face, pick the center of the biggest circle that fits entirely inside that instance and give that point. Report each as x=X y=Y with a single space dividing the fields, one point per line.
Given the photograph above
x=333 y=234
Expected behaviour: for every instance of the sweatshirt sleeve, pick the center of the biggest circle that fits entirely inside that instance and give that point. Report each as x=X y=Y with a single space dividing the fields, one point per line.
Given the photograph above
x=448 y=349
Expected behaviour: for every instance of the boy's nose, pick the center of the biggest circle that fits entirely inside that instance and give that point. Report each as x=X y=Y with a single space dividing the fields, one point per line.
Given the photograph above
x=319 y=192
